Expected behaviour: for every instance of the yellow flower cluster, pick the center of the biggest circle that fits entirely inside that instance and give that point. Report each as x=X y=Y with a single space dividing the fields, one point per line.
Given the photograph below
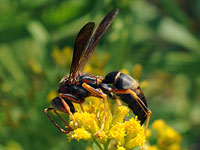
x=35 y=66
x=80 y=133
x=167 y=138
x=117 y=133
x=62 y=57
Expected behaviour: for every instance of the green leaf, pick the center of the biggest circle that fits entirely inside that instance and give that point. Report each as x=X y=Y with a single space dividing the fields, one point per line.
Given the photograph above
x=176 y=33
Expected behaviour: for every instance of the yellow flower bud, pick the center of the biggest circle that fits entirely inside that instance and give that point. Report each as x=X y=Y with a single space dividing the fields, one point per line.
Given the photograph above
x=87 y=121
x=79 y=134
x=120 y=114
x=144 y=84
x=137 y=71
x=158 y=125
x=102 y=137
x=51 y=95
x=137 y=141
x=35 y=66
x=123 y=70
x=118 y=133
x=174 y=147
x=133 y=128
x=153 y=147
x=120 y=147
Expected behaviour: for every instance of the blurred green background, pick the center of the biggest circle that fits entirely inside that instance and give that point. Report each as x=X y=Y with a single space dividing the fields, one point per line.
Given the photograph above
x=163 y=36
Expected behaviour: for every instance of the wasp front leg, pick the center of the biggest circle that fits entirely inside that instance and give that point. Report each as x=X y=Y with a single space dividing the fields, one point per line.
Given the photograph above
x=97 y=93
x=61 y=129
x=64 y=105
x=73 y=99
x=67 y=108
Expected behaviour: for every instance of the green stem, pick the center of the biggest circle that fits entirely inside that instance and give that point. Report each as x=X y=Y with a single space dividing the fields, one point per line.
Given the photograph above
x=97 y=143
x=106 y=145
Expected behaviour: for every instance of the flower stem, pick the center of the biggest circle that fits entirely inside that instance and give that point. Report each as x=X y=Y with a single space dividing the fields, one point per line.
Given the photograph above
x=97 y=143
x=106 y=145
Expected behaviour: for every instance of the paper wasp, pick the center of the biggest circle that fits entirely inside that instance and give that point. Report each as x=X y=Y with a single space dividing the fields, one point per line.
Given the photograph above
x=76 y=86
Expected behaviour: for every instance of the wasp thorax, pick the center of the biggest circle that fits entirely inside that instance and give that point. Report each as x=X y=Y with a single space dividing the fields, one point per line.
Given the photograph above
x=64 y=79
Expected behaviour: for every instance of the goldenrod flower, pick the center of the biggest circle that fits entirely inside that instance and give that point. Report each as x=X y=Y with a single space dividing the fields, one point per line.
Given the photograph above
x=97 y=63
x=175 y=147
x=144 y=84
x=62 y=57
x=148 y=133
x=135 y=133
x=51 y=95
x=158 y=125
x=120 y=114
x=125 y=134
x=120 y=148
x=117 y=132
x=102 y=137
x=87 y=121
x=153 y=147
x=167 y=138
x=137 y=141
x=124 y=71
x=137 y=71
x=12 y=145
x=35 y=66
x=133 y=127
x=79 y=134
x=172 y=134
x=87 y=68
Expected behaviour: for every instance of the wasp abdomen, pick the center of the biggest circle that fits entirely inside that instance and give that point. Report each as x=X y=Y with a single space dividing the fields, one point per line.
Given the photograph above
x=125 y=82
x=121 y=80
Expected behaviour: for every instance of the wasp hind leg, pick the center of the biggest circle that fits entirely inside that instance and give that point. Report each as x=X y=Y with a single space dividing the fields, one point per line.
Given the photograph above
x=61 y=129
x=100 y=94
x=117 y=100
x=139 y=101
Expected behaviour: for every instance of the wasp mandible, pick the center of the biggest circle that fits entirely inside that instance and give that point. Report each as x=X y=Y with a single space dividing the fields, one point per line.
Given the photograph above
x=78 y=85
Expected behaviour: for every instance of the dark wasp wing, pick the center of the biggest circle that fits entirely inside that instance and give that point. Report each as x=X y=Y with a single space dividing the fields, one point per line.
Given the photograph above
x=80 y=46
x=105 y=23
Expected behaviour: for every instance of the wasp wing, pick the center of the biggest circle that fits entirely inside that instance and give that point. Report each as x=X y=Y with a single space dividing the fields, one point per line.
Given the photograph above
x=80 y=46
x=103 y=26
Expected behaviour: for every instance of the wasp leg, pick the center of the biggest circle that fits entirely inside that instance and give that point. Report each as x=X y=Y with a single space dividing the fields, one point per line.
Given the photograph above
x=120 y=104
x=62 y=130
x=61 y=118
x=74 y=99
x=117 y=100
x=139 y=101
x=81 y=107
x=67 y=108
x=97 y=93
